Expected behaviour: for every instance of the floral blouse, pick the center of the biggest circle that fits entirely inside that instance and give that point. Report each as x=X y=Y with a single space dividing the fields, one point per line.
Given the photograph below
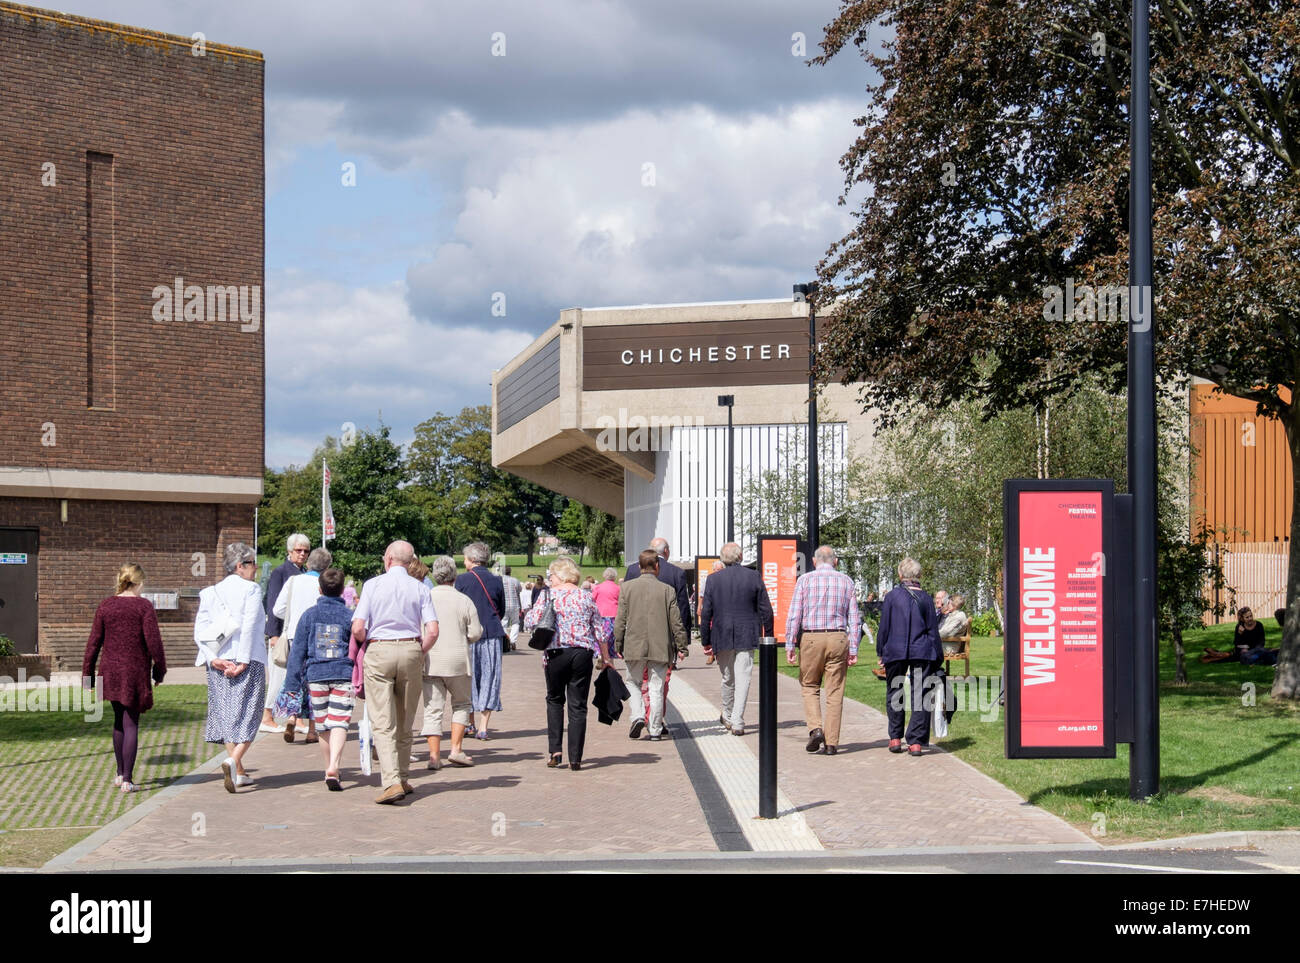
x=578 y=623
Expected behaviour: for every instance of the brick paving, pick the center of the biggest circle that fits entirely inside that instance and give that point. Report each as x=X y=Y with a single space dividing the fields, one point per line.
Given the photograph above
x=868 y=798
x=629 y=798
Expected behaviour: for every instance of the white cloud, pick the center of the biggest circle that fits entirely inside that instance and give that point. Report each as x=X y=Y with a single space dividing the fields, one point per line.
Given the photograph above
x=738 y=207
x=336 y=355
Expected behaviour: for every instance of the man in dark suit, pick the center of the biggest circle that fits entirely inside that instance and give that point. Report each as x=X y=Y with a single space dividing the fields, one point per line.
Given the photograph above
x=736 y=613
x=298 y=546
x=669 y=574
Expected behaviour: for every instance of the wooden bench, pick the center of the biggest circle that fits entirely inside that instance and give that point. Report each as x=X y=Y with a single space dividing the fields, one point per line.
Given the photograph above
x=962 y=650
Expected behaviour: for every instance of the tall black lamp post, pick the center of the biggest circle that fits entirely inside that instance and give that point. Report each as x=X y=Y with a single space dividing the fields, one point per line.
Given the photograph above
x=729 y=402
x=1144 y=756
x=808 y=292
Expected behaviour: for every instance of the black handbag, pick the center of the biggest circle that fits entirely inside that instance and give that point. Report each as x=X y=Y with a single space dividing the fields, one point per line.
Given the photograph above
x=544 y=631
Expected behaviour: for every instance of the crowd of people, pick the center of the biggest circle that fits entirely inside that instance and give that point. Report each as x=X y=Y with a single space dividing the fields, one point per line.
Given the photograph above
x=296 y=660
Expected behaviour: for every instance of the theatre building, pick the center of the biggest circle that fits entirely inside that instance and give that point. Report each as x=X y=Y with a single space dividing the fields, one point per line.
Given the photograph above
x=619 y=408
x=131 y=300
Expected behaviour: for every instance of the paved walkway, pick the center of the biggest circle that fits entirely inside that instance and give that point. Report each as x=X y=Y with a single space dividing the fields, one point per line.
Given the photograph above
x=694 y=794
x=869 y=798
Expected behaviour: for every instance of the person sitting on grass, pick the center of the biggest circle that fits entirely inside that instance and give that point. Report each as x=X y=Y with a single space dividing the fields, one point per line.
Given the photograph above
x=1248 y=640
x=320 y=671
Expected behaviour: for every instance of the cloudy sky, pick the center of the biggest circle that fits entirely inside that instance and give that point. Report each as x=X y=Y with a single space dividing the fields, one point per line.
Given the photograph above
x=560 y=153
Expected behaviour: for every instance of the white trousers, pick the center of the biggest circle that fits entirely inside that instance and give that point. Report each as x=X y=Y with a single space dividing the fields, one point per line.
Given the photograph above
x=636 y=670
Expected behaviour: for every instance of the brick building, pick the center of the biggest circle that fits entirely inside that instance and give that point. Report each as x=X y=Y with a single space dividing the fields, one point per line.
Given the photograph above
x=131 y=308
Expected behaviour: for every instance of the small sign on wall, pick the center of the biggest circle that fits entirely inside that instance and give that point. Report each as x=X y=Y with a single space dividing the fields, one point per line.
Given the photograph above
x=163 y=600
x=13 y=558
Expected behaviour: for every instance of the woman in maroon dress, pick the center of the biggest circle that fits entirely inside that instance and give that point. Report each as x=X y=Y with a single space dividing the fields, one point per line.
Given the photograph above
x=126 y=630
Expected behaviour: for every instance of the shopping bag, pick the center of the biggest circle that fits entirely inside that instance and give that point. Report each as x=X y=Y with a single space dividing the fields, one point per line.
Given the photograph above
x=365 y=736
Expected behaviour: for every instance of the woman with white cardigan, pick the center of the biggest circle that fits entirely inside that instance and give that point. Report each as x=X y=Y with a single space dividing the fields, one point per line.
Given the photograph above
x=230 y=632
x=297 y=595
x=447 y=664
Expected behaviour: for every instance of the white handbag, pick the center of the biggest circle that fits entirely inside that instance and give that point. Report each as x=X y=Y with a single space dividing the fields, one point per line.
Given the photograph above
x=225 y=627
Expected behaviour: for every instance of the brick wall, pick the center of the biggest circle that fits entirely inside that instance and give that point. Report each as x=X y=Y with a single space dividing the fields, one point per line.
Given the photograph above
x=177 y=545
x=157 y=173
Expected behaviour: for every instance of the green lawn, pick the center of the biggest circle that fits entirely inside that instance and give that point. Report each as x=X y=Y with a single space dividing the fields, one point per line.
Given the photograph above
x=1224 y=765
x=57 y=768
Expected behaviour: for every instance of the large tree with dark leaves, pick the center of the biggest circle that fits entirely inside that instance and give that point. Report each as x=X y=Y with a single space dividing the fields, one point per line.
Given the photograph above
x=465 y=497
x=992 y=165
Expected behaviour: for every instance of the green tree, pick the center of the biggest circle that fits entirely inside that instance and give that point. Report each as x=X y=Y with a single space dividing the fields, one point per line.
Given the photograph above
x=371 y=506
x=605 y=538
x=1190 y=579
x=994 y=154
x=465 y=497
x=572 y=527
x=290 y=503
x=435 y=481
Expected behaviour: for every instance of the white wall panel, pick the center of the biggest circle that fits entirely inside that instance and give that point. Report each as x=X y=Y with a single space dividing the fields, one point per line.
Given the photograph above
x=687 y=501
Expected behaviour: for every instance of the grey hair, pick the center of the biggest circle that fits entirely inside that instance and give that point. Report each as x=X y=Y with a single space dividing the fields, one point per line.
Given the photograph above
x=319 y=560
x=825 y=554
x=443 y=570
x=295 y=539
x=730 y=553
x=609 y=574
x=909 y=568
x=659 y=545
x=235 y=555
x=477 y=552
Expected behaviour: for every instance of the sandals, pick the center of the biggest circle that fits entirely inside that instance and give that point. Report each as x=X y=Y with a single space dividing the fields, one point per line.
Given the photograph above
x=332 y=782
x=554 y=761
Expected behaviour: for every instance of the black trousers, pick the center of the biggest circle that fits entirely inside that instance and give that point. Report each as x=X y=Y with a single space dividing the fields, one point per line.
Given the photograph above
x=568 y=675
x=920 y=676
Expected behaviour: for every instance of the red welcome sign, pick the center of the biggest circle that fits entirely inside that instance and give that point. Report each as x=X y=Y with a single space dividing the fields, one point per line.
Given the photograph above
x=1058 y=658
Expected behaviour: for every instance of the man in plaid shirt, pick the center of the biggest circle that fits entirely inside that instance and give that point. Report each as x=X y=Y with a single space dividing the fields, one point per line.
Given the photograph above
x=825 y=623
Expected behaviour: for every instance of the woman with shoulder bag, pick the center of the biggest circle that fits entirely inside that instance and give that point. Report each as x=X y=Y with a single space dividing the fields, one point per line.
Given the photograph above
x=580 y=636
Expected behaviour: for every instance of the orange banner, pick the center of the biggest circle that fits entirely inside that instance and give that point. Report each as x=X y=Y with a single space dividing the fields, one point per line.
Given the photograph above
x=780 y=562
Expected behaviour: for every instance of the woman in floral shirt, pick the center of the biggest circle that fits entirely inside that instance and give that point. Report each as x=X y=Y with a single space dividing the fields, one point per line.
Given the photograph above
x=580 y=635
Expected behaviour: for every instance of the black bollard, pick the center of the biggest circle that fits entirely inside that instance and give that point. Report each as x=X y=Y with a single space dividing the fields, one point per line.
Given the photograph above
x=767 y=728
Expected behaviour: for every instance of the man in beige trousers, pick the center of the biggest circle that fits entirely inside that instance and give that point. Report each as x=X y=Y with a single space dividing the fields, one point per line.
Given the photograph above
x=396 y=622
x=825 y=623
x=648 y=633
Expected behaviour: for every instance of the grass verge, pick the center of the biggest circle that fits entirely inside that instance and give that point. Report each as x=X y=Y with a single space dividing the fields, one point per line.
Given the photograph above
x=57 y=768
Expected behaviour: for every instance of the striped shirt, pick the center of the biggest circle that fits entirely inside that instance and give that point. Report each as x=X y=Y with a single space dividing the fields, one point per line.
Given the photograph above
x=824 y=601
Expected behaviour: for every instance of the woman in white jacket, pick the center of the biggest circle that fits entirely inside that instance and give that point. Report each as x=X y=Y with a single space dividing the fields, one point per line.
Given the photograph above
x=230 y=632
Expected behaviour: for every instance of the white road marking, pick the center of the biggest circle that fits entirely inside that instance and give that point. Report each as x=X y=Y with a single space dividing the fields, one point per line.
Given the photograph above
x=1154 y=869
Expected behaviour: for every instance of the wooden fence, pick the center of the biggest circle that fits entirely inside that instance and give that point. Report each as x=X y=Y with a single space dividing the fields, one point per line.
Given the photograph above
x=1255 y=573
